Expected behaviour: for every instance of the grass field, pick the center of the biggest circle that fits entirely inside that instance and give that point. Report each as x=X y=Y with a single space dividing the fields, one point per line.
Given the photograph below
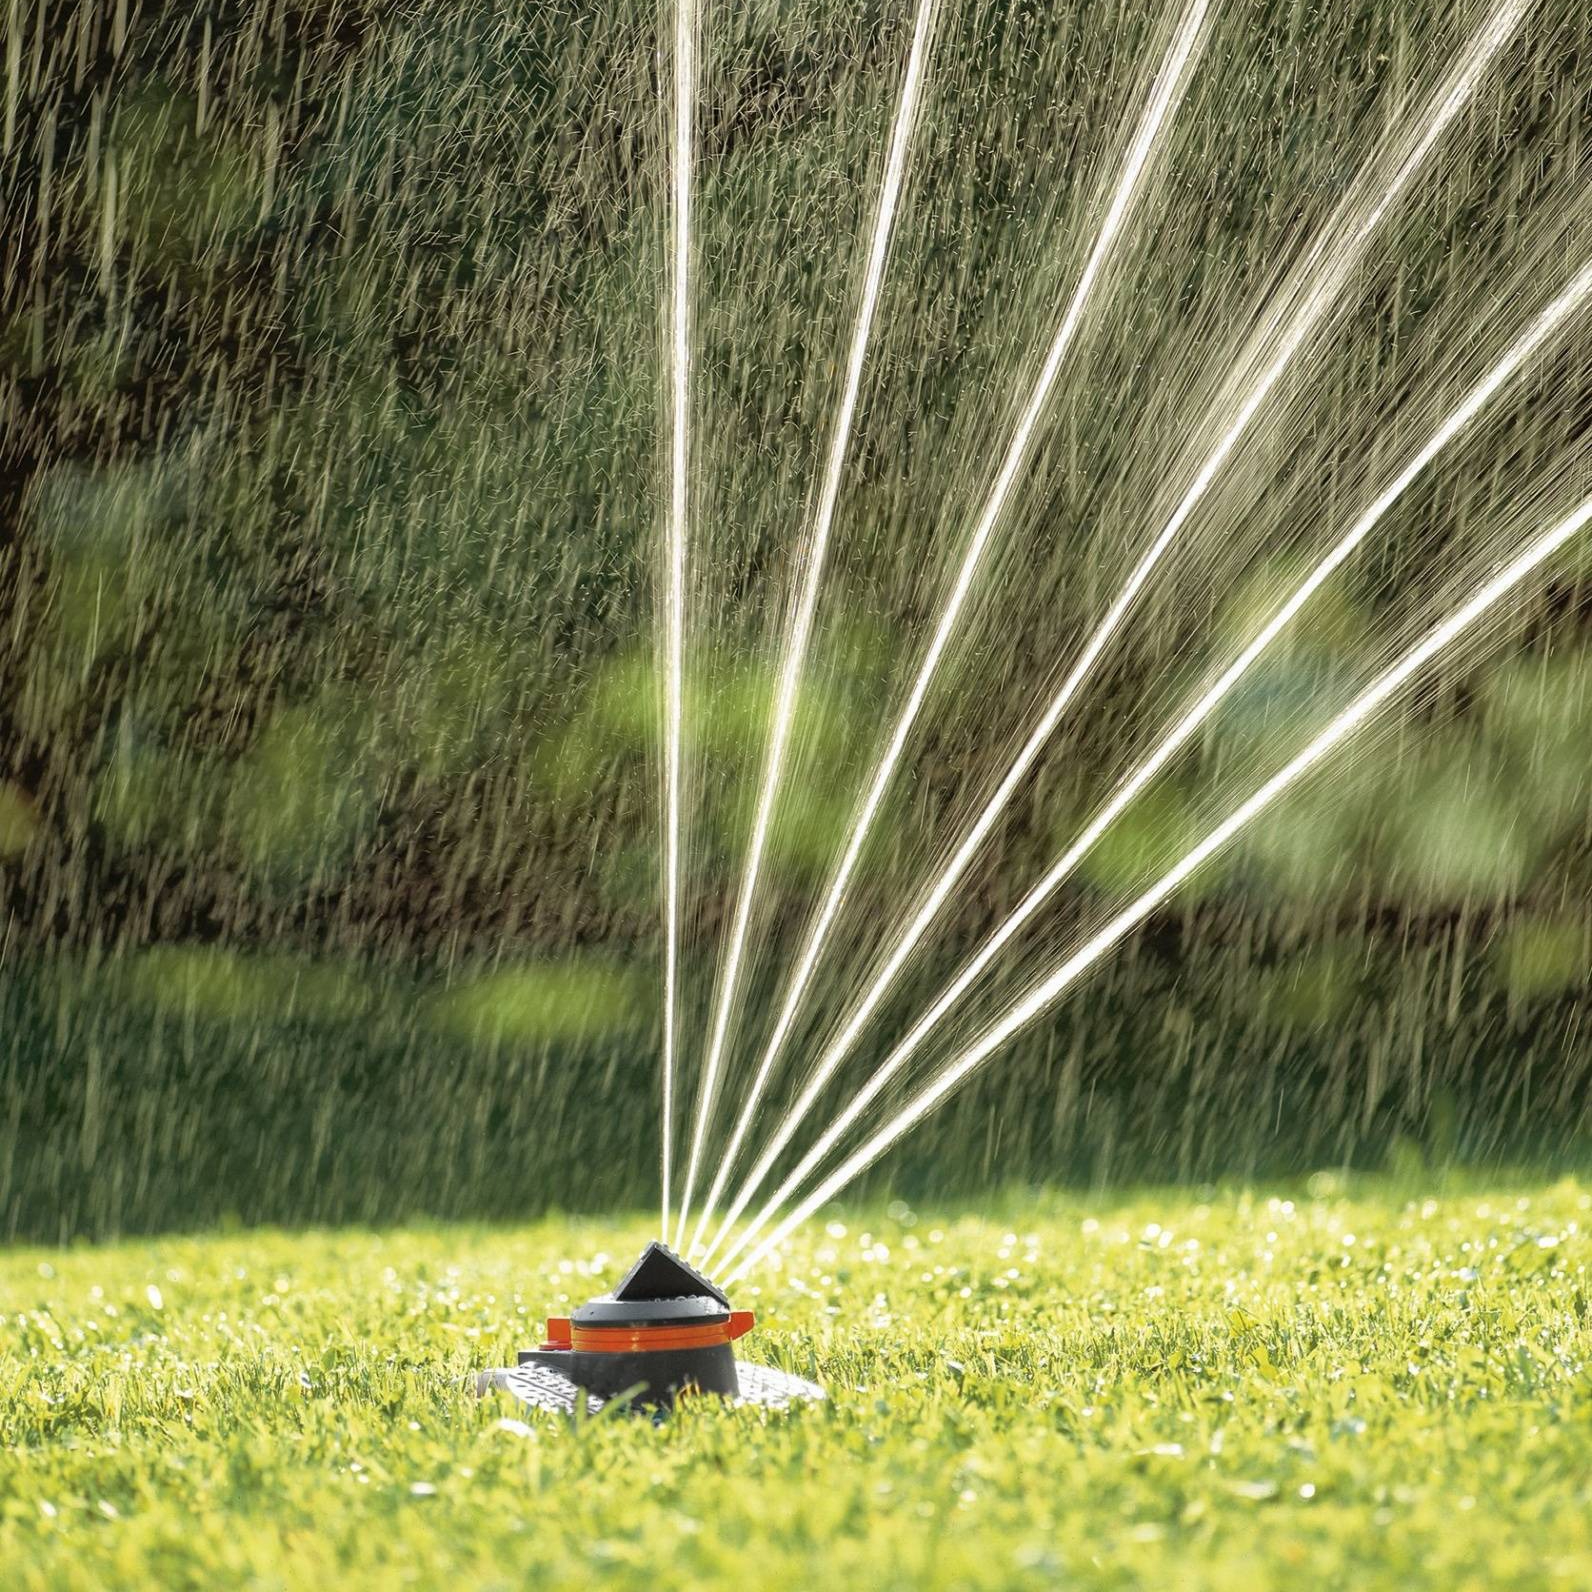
x=1344 y=1388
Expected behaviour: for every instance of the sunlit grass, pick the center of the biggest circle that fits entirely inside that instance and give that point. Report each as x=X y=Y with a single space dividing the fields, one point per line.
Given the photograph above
x=1343 y=1388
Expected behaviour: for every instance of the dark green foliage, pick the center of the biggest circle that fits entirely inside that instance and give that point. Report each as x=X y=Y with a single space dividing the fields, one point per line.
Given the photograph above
x=329 y=390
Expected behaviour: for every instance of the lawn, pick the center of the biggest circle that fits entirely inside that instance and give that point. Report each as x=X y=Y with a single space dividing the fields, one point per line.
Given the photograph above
x=1345 y=1387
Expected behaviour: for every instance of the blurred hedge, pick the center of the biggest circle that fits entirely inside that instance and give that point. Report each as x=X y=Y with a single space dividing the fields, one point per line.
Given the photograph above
x=327 y=814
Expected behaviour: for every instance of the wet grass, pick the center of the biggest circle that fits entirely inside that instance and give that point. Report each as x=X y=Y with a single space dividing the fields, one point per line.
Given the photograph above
x=1352 y=1387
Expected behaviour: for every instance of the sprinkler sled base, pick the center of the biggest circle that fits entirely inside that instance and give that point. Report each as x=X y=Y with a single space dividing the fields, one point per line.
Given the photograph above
x=665 y=1331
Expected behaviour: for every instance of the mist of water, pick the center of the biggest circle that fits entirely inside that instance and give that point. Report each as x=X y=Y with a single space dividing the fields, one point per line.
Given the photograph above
x=1328 y=266
x=783 y=716
x=1163 y=100
x=677 y=361
x=418 y=427
x=1360 y=712
x=1550 y=321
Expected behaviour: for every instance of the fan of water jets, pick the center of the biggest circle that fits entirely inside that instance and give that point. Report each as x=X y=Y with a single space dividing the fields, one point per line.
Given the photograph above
x=1245 y=452
x=813 y=511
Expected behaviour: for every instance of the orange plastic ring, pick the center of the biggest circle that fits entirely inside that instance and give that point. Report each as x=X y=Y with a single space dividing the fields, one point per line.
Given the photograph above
x=564 y=1334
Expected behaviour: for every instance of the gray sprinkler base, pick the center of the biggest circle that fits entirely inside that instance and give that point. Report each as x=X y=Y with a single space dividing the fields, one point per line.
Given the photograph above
x=541 y=1389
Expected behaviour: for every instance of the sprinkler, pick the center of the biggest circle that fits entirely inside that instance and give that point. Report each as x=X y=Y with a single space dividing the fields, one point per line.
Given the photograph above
x=664 y=1331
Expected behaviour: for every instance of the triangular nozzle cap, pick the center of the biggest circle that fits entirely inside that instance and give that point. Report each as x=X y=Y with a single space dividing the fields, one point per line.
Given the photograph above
x=661 y=1274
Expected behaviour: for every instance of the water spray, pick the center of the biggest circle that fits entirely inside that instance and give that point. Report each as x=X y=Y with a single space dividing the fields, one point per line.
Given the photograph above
x=1459 y=419
x=664 y=1333
x=1050 y=989
x=678 y=355
x=795 y=657
x=1327 y=267
x=1163 y=99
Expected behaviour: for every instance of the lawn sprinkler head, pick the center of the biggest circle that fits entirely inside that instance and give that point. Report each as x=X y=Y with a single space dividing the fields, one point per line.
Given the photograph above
x=665 y=1330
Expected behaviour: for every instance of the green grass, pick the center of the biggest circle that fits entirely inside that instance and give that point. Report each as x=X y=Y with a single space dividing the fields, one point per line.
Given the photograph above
x=1352 y=1389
